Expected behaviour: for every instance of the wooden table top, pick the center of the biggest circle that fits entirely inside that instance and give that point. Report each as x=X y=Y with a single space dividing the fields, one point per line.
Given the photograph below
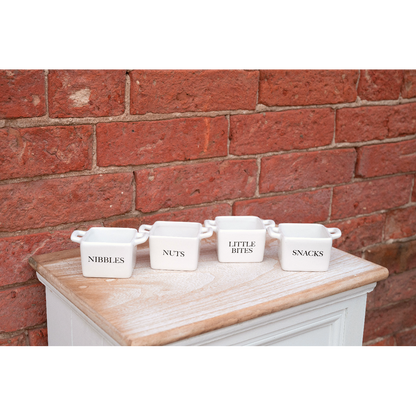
x=157 y=307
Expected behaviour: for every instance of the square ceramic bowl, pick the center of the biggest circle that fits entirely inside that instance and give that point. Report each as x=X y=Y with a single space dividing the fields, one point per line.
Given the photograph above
x=175 y=245
x=304 y=247
x=240 y=239
x=108 y=252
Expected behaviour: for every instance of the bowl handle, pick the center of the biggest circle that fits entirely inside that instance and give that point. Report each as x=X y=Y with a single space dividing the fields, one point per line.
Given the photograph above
x=268 y=223
x=77 y=235
x=141 y=237
x=206 y=232
x=274 y=232
x=334 y=232
x=144 y=228
x=211 y=224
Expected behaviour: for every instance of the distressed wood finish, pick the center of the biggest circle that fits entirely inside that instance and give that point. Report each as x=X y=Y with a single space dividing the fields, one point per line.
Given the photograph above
x=157 y=307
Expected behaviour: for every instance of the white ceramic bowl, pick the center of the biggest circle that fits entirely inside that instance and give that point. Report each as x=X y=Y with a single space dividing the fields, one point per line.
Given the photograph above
x=108 y=252
x=304 y=247
x=175 y=245
x=240 y=239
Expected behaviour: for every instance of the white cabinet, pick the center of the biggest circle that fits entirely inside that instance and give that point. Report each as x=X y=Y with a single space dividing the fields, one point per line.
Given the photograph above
x=218 y=304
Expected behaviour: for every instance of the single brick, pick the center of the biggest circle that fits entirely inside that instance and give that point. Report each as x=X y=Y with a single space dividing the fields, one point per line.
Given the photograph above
x=174 y=186
x=284 y=130
x=362 y=124
x=375 y=123
x=86 y=93
x=409 y=84
x=305 y=170
x=300 y=207
x=199 y=214
x=14 y=268
x=394 y=289
x=386 y=321
x=386 y=342
x=38 y=337
x=402 y=121
x=414 y=190
x=280 y=88
x=14 y=341
x=21 y=307
x=44 y=150
x=401 y=223
x=380 y=85
x=123 y=144
x=59 y=201
x=397 y=257
x=22 y=94
x=406 y=338
x=386 y=159
x=366 y=197
x=359 y=232
x=187 y=91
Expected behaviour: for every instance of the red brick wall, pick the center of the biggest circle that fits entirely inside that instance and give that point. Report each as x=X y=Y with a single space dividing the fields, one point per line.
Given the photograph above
x=122 y=148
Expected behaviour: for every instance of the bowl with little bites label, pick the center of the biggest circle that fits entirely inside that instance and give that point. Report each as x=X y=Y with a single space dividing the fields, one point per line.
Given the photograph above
x=240 y=239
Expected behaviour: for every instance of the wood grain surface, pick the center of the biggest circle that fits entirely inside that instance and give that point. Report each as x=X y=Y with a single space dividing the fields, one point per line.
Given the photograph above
x=157 y=307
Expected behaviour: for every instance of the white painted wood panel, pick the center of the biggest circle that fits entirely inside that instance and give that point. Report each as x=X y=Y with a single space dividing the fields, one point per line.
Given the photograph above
x=58 y=319
x=67 y=325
